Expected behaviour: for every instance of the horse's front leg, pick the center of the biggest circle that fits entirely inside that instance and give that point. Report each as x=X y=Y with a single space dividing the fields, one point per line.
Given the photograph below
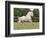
x=31 y=22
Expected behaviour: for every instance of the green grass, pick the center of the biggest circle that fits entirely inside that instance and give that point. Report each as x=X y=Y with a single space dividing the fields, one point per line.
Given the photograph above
x=26 y=25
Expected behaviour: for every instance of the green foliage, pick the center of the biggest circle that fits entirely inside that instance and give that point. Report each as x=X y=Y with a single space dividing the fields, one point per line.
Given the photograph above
x=36 y=12
x=20 y=11
x=36 y=15
x=35 y=19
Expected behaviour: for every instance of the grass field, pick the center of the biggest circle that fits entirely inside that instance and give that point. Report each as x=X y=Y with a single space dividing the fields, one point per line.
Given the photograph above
x=26 y=25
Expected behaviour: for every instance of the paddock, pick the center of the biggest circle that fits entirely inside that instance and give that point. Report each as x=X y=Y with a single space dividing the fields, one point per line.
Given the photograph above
x=26 y=25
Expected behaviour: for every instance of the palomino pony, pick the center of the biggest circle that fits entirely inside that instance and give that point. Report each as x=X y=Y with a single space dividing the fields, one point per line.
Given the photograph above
x=26 y=18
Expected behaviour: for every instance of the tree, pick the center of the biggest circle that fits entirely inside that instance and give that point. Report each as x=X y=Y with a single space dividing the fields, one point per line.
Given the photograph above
x=36 y=15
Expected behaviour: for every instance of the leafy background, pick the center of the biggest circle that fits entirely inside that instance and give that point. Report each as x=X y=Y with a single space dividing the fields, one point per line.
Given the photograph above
x=18 y=12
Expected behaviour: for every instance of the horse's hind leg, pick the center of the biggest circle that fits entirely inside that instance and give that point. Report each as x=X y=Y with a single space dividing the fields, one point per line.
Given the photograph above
x=31 y=22
x=19 y=21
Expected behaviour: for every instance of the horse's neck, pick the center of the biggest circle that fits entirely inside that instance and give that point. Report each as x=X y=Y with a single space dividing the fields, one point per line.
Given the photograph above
x=28 y=14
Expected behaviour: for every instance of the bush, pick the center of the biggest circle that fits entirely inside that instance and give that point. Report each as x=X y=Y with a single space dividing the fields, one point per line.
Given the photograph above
x=35 y=19
x=20 y=12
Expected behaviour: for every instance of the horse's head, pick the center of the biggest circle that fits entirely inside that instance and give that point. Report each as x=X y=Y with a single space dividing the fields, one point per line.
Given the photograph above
x=30 y=14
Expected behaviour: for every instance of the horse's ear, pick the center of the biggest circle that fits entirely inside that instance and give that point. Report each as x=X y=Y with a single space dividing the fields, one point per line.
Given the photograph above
x=31 y=10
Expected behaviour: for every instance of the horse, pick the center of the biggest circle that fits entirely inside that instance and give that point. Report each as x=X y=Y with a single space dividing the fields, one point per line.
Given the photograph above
x=26 y=18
